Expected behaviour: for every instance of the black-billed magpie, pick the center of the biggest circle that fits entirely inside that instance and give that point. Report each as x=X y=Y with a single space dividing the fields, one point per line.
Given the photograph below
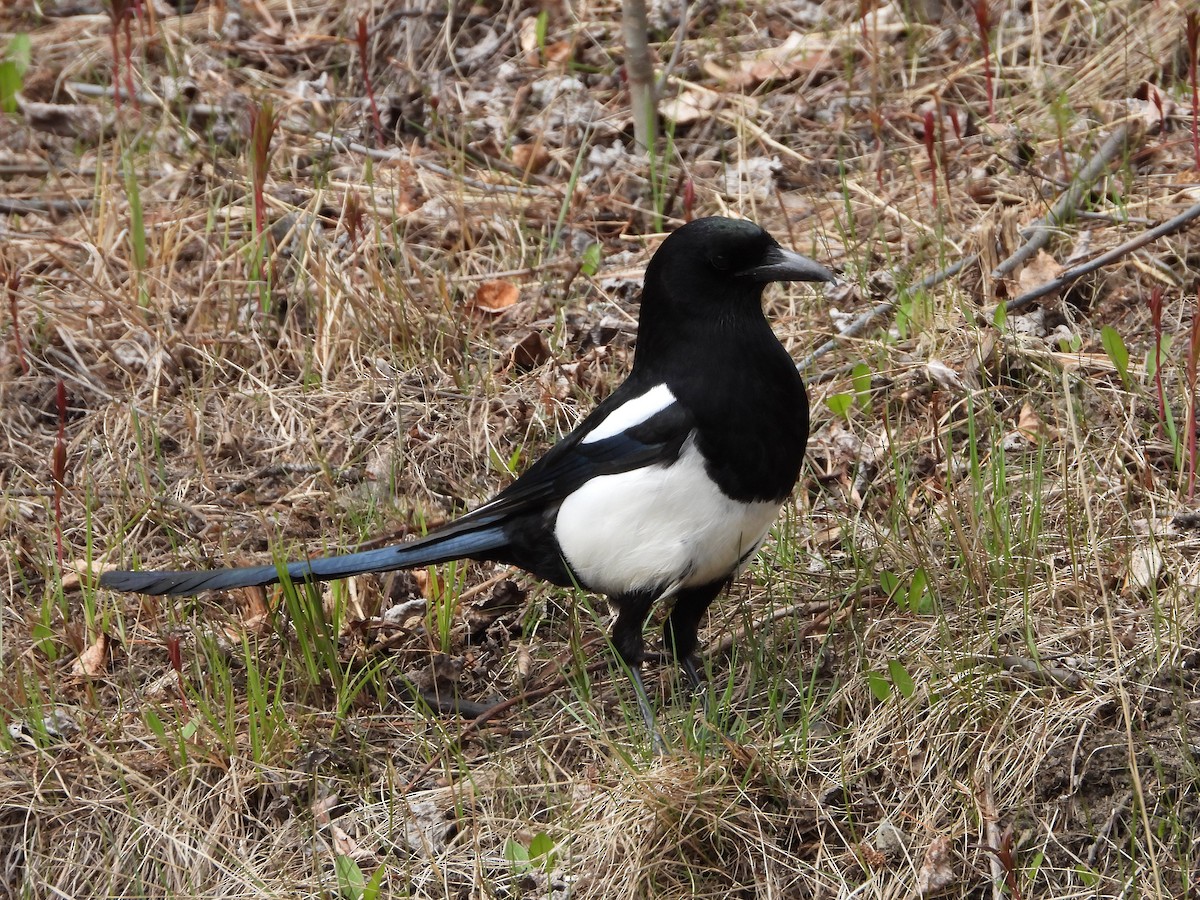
x=667 y=488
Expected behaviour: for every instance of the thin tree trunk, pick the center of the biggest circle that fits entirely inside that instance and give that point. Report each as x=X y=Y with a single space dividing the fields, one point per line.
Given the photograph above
x=640 y=72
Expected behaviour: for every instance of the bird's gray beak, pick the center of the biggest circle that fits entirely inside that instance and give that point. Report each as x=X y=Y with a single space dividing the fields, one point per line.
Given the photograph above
x=783 y=265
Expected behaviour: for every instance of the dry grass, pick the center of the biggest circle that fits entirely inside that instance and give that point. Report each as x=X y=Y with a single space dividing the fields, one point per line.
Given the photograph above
x=1030 y=718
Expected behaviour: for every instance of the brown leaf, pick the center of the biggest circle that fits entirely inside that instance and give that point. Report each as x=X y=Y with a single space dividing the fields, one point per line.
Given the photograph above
x=527 y=39
x=1145 y=568
x=524 y=662
x=530 y=352
x=945 y=377
x=689 y=106
x=1042 y=269
x=506 y=598
x=1031 y=427
x=322 y=808
x=559 y=52
x=936 y=872
x=76 y=571
x=440 y=678
x=429 y=583
x=94 y=660
x=799 y=53
x=554 y=55
x=83 y=123
x=495 y=296
x=343 y=844
x=256 y=613
x=531 y=157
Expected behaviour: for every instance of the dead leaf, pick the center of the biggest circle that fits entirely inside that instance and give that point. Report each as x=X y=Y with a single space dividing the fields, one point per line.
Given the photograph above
x=495 y=296
x=798 y=54
x=1145 y=567
x=428 y=583
x=535 y=52
x=256 y=613
x=530 y=352
x=76 y=571
x=506 y=599
x=83 y=123
x=343 y=844
x=527 y=39
x=559 y=53
x=945 y=377
x=409 y=609
x=531 y=157
x=871 y=858
x=1031 y=427
x=936 y=873
x=94 y=660
x=322 y=808
x=827 y=537
x=1041 y=270
x=524 y=663
x=1146 y=113
x=440 y=678
x=690 y=106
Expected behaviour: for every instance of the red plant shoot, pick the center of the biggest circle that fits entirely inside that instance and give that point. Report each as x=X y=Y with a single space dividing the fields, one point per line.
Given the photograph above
x=689 y=199
x=983 y=18
x=1193 y=362
x=1193 y=44
x=931 y=152
x=941 y=136
x=59 y=468
x=1156 y=307
x=362 y=41
x=354 y=217
x=12 y=284
x=122 y=12
x=176 y=658
x=864 y=10
x=263 y=122
x=954 y=123
x=1006 y=855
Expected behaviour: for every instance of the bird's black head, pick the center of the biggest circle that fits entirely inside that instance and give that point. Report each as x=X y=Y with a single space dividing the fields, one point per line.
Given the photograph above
x=722 y=261
x=703 y=292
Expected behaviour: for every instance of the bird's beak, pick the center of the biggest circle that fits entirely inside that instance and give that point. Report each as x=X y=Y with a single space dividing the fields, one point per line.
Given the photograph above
x=779 y=264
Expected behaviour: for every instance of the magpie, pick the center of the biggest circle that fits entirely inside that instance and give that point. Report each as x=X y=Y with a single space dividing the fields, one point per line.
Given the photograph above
x=666 y=490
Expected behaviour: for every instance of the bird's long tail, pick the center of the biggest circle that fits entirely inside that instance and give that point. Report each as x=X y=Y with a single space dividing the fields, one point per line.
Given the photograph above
x=436 y=548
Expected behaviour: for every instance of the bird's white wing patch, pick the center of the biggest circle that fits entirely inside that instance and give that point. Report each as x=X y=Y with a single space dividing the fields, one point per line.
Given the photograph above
x=659 y=527
x=631 y=413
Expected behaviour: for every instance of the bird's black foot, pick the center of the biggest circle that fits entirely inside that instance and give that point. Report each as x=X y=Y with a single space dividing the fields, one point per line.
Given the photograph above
x=689 y=668
x=643 y=701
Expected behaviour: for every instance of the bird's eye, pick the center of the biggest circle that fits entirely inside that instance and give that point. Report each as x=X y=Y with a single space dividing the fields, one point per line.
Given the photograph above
x=720 y=262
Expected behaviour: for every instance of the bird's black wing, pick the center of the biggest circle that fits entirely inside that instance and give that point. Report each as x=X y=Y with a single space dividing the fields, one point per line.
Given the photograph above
x=481 y=534
x=575 y=459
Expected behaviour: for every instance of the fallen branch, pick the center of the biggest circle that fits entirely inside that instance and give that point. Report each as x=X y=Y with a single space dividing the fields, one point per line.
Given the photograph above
x=859 y=325
x=1066 y=205
x=55 y=207
x=344 y=145
x=1042 y=230
x=1046 y=673
x=1068 y=275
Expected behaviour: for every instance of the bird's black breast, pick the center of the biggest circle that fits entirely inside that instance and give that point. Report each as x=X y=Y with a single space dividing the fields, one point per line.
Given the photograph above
x=751 y=420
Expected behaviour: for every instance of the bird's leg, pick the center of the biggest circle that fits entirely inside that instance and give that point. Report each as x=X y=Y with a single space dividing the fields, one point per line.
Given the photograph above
x=690 y=669
x=632 y=612
x=681 y=635
x=643 y=702
x=681 y=630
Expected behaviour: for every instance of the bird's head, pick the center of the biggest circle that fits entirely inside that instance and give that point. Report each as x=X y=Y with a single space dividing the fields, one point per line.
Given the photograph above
x=725 y=261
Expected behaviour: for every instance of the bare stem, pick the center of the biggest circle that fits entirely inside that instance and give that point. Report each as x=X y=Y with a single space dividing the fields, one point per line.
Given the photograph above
x=640 y=71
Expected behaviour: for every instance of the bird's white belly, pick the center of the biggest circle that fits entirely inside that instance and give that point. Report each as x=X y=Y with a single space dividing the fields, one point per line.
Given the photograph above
x=659 y=527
